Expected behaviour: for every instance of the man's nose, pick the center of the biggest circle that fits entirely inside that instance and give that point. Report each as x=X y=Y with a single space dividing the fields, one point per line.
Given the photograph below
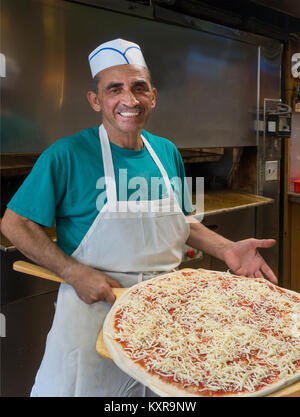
x=129 y=99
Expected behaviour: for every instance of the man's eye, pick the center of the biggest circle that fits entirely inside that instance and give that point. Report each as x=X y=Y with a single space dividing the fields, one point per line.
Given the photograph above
x=139 y=89
x=113 y=90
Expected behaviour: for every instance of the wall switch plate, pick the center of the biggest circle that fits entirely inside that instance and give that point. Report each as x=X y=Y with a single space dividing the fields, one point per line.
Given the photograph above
x=271 y=171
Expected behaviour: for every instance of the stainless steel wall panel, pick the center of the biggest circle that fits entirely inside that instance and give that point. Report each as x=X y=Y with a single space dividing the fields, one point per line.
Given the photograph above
x=269 y=148
x=28 y=322
x=206 y=82
x=270 y=71
x=207 y=91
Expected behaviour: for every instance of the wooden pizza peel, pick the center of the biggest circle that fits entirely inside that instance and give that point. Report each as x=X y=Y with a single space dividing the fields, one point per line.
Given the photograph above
x=38 y=271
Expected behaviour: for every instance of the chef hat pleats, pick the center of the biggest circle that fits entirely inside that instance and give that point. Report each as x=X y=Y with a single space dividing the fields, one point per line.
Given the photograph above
x=116 y=52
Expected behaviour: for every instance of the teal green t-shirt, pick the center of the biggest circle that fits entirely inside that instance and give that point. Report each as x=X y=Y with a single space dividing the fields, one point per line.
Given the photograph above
x=66 y=183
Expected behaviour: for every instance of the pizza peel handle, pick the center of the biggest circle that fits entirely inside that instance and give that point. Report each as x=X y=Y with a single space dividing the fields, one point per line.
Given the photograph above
x=39 y=271
x=36 y=270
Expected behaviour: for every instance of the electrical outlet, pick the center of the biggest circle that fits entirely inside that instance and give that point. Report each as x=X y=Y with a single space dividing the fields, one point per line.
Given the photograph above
x=271 y=171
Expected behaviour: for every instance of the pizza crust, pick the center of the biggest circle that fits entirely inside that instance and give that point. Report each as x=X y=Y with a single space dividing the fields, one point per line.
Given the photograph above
x=154 y=382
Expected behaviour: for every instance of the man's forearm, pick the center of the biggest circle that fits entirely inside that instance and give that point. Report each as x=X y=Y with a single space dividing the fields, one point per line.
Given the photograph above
x=206 y=240
x=91 y=285
x=34 y=243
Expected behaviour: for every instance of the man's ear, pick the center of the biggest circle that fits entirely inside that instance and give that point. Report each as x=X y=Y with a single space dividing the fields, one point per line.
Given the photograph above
x=94 y=101
x=154 y=92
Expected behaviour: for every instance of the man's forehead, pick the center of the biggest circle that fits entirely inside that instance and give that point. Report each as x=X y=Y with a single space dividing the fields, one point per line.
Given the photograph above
x=124 y=73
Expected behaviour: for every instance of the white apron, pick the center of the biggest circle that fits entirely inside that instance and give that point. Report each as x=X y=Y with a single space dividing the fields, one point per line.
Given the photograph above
x=130 y=246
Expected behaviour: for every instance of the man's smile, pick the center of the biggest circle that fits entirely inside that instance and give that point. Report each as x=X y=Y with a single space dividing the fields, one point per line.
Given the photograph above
x=129 y=113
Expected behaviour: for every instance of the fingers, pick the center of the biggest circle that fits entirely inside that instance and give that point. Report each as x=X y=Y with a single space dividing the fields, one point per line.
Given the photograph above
x=113 y=283
x=109 y=296
x=269 y=273
x=241 y=272
x=258 y=274
x=252 y=274
x=264 y=243
x=247 y=272
x=264 y=269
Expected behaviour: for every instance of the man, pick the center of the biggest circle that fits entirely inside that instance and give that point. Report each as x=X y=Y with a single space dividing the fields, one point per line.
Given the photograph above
x=100 y=244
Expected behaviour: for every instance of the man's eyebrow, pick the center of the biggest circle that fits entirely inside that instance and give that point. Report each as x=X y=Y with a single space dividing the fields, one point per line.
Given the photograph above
x=140 y=82
x=113 y=85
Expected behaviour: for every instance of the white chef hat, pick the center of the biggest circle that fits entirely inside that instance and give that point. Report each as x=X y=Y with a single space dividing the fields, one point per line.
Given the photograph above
x=116 y=52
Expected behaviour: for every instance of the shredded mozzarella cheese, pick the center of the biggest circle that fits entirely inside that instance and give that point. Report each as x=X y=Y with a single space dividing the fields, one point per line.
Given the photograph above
x=211 y=332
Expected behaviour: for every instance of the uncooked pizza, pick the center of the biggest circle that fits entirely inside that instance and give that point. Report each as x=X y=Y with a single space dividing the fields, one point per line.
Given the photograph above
x=206 y=333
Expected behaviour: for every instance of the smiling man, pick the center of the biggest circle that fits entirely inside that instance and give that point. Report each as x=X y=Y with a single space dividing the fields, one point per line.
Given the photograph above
x=99 y=245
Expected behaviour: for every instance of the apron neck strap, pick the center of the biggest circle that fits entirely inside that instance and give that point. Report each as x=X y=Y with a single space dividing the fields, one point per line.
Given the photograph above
x=160 y=166
x=109 y=173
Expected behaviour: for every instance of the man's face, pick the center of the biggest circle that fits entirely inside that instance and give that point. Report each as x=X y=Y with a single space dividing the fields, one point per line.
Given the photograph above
x=125 y=97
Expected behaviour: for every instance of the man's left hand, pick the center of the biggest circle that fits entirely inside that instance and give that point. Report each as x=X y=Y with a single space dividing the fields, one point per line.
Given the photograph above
x=243 y=258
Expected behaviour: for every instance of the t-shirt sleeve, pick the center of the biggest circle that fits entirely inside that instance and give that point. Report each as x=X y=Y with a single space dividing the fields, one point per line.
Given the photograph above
x=186 y=201
x=43 y=189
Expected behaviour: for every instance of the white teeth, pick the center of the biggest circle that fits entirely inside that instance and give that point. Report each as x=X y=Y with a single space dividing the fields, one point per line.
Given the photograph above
x=127 y=114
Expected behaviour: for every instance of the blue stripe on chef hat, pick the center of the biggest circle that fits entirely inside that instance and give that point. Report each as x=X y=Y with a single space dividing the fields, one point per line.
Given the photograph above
x=116 y=52
x=112 y=49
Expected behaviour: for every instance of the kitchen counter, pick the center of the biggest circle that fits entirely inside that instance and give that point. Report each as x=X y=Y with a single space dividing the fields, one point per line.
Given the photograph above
x=223 y=201
x=294 y=197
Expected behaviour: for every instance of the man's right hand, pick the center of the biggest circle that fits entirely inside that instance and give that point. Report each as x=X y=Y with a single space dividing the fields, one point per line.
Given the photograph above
x=90 y=284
